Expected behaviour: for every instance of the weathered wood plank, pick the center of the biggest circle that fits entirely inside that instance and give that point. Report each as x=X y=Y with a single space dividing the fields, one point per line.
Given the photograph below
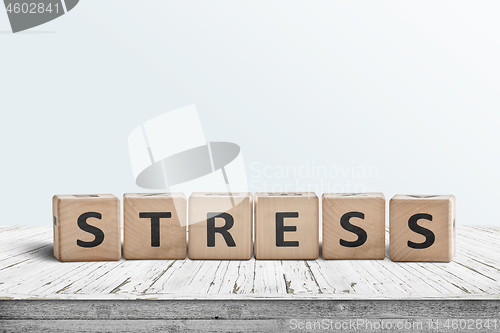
x=216 y=326
x=269 y=278
x=243 y=316
x=148 y=272
x=165 y=279
x=29 y=270
x=238 y=278
x=331 y=273
x=141 y=325
x=245 y=309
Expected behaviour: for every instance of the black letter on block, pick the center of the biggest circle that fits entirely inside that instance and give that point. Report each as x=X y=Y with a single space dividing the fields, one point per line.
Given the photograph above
x=155 y=225
x=344 y=222
x=211 y=229
x=82 y=224
x=281 y=229
x=429 y=235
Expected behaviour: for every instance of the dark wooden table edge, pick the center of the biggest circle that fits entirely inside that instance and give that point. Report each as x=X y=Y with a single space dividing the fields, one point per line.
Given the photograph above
x=252 y=309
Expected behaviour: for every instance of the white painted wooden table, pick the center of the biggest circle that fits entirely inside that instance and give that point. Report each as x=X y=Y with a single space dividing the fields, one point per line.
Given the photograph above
x=29 y=271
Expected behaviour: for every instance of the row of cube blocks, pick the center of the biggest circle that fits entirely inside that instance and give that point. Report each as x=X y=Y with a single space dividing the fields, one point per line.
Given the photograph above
x=220 y=226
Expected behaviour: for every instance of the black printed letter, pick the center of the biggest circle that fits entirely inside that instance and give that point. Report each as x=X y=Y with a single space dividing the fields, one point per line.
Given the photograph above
x=429 y=235
x=344 y=222
x=82 y=224
x=155 y=225
x=211 y=229
x=281 y=228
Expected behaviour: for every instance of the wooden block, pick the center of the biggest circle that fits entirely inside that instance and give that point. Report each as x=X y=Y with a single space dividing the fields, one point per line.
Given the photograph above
x=353 y=226
x=422 y=228
x=220 y=226
x=86 y=227
x=154 y=226
x=286 y=226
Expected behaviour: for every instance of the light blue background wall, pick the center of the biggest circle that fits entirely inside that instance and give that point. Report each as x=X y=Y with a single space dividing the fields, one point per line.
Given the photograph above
x=408 y=88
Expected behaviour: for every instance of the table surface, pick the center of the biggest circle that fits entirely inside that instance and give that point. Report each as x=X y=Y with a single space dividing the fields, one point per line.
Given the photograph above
x=28 y=270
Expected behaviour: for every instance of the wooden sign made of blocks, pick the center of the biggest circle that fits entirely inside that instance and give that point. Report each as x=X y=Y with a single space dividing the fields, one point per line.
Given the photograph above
x=286 y=226
x=86 y=227
x=154 y=226
x=353 y=226
x=220 y=226
x=422 y=228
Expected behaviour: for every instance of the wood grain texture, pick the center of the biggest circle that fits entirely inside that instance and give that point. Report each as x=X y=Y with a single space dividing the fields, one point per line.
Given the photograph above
x=439 y=225
x=241 y=315
x=415 y=323
x=243 y=309
x=68 y=209
x=170 y=239
x=301 y=240
x=372 y=222
x=28 y=270
x=239 y=207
